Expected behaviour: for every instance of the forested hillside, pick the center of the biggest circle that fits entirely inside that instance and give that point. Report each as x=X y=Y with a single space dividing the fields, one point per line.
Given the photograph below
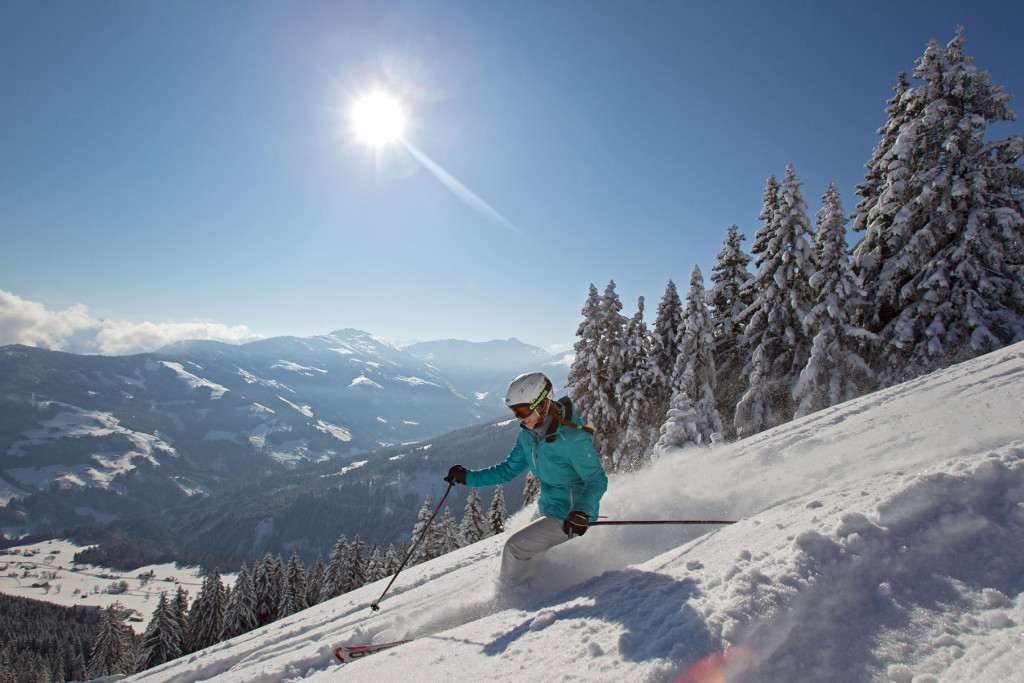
x=41 y=642
x=936 y=278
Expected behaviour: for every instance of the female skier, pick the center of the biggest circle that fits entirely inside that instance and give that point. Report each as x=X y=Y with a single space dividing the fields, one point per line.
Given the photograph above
x=558 y=448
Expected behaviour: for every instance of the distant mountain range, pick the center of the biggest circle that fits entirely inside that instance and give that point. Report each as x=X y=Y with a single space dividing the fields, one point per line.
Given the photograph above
x=305 y=510
x=85 y=440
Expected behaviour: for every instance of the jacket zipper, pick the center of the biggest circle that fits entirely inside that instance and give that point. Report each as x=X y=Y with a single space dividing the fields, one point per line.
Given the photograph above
x=536 y=445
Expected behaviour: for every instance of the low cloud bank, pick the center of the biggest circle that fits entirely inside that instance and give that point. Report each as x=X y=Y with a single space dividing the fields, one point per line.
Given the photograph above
x=74 y=330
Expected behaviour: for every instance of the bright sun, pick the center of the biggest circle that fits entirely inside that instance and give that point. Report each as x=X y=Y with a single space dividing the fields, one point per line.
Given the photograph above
x=378 y=119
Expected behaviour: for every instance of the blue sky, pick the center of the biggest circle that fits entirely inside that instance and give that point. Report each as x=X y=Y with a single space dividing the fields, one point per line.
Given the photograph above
x=181 y=168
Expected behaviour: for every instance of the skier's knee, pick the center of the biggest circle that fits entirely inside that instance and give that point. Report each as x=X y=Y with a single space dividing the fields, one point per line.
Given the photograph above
x=517 y=553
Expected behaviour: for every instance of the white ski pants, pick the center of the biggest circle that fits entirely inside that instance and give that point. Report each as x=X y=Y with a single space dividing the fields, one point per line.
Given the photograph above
x=532 y=539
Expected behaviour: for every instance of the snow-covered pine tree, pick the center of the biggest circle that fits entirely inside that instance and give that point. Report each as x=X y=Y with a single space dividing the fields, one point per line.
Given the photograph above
x=474 y=524
x=315 y=589
x=290 y=602
x=336 y=580
x=298 y=574
x=636 y=416
x=240 y=615
x=46 y=670
x=266 y=611
x=180 y=612
x=767 y=233
x=835 y=371
x=680 y=426
x=869 y=209
x=578 y=379
x=775 y=328
x=277 y=581
x=885 y=192
x=356 y=563
x=55 y=665
x=113 y=651
x=208 y=613
x=449 y=537
x=161 y=641
x=665 y=342
x=375 y=564
x=422 y=553
x=597 y=369
x=294 y=598
x=436 y=541
x=731 y=294
x=698 y=347
x=943 y=253
x=496 y=512
x=7 y=663
x=391 y=561
x=694 y=373
x=75 y=669
x=225 y=598
x=38 y=670
x=531 y=489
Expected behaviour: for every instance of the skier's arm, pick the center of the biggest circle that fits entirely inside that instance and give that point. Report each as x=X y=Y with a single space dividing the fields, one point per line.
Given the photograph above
x=506 y=471
x=595 y=482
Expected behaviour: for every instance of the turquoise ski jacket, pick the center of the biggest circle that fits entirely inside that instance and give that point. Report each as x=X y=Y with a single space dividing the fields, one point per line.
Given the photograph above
x=570 y=473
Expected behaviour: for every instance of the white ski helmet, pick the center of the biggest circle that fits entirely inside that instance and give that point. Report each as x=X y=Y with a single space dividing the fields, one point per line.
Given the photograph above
x=529 y=390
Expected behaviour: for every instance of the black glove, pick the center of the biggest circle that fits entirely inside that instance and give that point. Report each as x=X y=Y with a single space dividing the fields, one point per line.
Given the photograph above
x=576 y=524
x=456 y=475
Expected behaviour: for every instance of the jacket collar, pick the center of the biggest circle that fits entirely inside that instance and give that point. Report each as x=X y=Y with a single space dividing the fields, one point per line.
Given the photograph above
x=549 y=433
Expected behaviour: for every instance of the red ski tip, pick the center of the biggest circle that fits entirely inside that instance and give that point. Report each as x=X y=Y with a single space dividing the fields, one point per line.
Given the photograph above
x=349 y=653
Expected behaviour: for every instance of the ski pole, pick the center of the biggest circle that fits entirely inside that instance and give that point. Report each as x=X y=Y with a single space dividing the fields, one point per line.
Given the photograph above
x=663 y=521
x=376 y=605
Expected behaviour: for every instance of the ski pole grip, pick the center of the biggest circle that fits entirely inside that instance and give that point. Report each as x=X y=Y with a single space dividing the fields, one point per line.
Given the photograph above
x=617 y=522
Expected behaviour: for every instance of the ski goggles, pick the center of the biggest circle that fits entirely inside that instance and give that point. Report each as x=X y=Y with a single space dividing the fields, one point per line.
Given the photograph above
x=523 y=410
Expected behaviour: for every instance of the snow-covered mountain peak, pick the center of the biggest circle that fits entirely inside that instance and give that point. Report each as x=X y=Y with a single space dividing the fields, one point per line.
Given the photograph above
x=230 y=411
x=354 y=334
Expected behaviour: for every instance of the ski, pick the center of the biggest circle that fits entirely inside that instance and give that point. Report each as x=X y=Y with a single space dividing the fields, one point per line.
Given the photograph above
x=346 y=654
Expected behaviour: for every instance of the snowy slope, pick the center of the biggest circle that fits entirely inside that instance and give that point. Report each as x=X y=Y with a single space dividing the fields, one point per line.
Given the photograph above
x=879 y=540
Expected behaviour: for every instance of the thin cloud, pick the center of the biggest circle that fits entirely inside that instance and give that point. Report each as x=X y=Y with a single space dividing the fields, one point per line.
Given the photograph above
x=73 y=329
x=115 y=339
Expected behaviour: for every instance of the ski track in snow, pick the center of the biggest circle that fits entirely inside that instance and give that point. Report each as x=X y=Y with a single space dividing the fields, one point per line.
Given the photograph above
x=882 y=539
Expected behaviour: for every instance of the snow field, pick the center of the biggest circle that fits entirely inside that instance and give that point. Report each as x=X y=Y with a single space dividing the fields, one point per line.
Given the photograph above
x=882 y=539
x=84 y=585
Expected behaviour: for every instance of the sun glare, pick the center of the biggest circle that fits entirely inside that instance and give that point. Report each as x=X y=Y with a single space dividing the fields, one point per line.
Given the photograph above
x=378 y=119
